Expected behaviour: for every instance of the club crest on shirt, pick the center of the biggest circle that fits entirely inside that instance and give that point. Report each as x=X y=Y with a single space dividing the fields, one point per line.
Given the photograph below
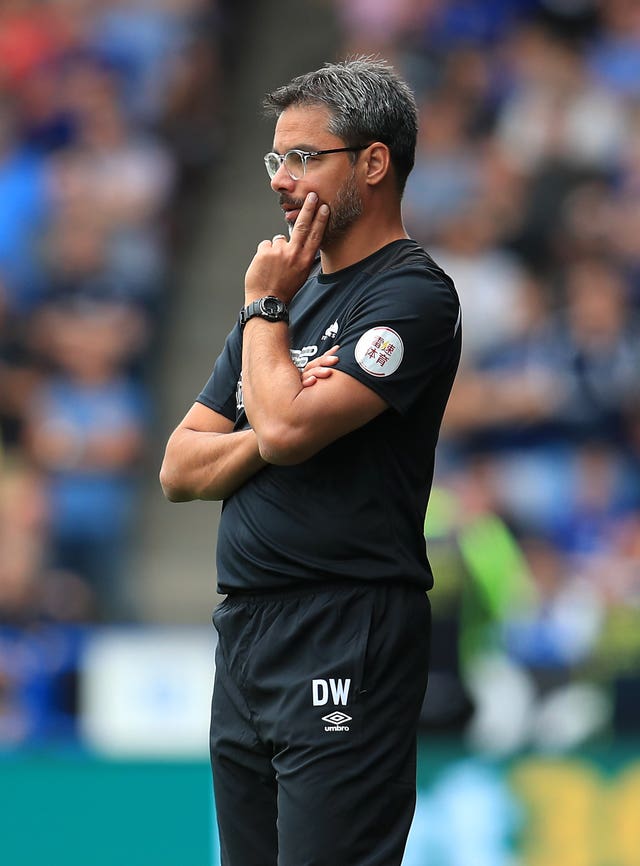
x=332 y=332
x=379 y=351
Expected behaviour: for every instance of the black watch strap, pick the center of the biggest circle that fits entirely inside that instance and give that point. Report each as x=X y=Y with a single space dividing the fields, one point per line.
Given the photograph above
x=270 y=308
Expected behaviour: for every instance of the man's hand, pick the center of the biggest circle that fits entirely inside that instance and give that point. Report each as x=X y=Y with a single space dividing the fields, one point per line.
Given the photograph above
x=280 y=267
x=320 y=367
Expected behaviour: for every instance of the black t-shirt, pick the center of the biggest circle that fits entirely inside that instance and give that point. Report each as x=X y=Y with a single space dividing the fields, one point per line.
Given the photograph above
x=355 y=510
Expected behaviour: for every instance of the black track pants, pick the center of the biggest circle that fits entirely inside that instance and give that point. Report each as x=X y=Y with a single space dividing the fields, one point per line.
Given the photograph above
x=313 y=726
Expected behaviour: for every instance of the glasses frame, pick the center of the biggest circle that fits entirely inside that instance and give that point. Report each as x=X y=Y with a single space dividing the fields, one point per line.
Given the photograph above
x=304 y=156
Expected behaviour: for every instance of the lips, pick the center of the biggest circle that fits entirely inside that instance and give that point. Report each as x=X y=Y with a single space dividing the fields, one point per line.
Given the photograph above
x=291 y=214
x=291 y=208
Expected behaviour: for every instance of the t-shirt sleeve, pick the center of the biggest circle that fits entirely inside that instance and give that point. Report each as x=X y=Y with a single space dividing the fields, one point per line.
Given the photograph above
x=221 y=391
x=400 y=333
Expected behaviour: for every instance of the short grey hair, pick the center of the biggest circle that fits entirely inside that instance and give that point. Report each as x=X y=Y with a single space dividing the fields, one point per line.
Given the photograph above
x=368 y=101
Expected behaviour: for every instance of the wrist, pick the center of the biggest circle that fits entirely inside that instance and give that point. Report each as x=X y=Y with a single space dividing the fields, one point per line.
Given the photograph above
x=267 y=307
x=255 y=295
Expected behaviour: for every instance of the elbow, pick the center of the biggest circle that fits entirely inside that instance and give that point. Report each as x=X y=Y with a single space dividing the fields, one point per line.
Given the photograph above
x=171 y=488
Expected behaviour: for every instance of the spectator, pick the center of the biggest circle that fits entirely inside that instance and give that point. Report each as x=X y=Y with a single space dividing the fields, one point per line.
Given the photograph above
x=448 y=169
x=614 y=54
x=31 y=591
x=490 y=278
x=555 y=112
x=24 y=193
x=602 y=355
x=85 y=430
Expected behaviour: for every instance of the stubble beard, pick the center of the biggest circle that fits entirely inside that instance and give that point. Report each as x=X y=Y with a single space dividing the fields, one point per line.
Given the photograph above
x=346 y=209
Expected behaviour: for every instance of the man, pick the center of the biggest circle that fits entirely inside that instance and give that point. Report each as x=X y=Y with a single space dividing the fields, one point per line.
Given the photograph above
x=317 y=428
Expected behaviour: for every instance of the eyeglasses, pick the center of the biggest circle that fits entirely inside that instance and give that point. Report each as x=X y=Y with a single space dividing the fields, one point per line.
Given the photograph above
x=295 y=161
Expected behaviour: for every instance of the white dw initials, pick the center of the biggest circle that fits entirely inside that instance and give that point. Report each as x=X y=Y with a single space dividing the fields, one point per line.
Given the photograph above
x=338 y=689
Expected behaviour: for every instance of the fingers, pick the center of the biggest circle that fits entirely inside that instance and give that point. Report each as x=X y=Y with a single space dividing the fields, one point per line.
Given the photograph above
x=310 y=377
x=319 y=368
x=328 y=357
x=308 y=229
x=283 y=265
x=310 y=224
x=267 y=244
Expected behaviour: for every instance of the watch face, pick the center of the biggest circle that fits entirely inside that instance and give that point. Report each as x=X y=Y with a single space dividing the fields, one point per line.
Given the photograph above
x=272 y=306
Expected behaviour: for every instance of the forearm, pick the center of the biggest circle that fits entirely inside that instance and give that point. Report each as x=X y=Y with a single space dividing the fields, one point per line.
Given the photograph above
x=206 y=465
x=271 y=384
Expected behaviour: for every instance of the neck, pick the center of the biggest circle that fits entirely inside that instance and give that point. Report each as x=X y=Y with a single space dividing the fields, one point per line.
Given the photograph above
x=366 y=236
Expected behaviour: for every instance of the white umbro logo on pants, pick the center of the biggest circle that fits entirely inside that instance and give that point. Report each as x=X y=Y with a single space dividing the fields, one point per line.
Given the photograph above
x=338 y=690
x=336 y=718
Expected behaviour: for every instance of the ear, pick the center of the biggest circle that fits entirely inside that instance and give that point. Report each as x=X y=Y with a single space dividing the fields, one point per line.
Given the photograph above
x=377 y=163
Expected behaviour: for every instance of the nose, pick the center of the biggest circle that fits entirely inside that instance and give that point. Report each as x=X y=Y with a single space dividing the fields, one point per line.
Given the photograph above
x=282 y=180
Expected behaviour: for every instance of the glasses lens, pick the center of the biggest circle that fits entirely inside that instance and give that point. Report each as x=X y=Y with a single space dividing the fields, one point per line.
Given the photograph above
x=272 y=163
x=294 y=164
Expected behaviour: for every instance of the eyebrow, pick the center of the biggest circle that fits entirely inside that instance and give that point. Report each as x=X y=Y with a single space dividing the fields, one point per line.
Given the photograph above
x=307 y=147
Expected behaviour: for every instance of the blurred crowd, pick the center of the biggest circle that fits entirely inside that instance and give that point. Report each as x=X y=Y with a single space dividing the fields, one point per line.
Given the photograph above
x=109 y=113
x=527 y=191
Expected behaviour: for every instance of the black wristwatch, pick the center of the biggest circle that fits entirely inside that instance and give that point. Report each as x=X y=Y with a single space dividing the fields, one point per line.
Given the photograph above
x=270 y=308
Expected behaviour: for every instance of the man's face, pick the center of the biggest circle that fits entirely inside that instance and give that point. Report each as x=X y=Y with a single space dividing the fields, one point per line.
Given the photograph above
x=331 y=176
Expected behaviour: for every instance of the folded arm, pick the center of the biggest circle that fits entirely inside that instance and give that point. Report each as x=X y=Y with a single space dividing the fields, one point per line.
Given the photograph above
x=293 y=421
x=205 y=459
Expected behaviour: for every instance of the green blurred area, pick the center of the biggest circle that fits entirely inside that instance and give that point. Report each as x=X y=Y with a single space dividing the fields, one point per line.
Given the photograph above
x=76 y=810
x=533 y=809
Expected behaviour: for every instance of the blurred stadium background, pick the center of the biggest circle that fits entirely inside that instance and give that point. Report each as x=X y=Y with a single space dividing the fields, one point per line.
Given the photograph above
x=132 y=195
